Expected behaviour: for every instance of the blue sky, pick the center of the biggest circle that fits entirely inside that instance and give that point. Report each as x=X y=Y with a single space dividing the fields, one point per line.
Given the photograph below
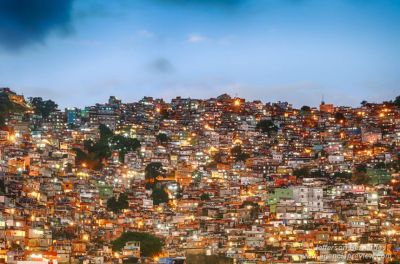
x=78 y=52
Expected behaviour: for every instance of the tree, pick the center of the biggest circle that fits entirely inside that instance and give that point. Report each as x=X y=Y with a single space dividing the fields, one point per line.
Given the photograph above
x=2 y=187
x=397 y=101
x=159 y=195
x=316 y=173
x=205 y=197
x=153 y=170
x=364 y=103
x=105 y=132
x=302 y=172
x=267 y=126
x=165 y=114
x=339 y=117
x=91 y=159
x=150 y=245
x=360 y=174
x=380 y=165
x=124 y=145
x=117 y=205
x=343 y=175
x=238 y=154
x=162 y=138
x=96 y=152
x=41 y=107
x=305 y=108
x=7 y=107
x=2 y=120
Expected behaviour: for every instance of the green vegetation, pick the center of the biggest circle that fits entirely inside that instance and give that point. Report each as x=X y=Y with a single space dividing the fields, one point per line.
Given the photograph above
x=305 y=109
x=302 y=172
x=159 y=195
x=152 y=171
x=360 y=175
x=150 y=245
x=7 y=107
x=397 y=101
x=205 y=197
x=162 y=138
x=43 y=108
x=96 y=152
x=339 y=117
x=238 y=154
x=117 y=205
x=123 y=145
x=105 y=190
x=372 y=176
x=2 y=187
x=378 y=176
x=343 y=175
x=380 y=166
x=267 y=126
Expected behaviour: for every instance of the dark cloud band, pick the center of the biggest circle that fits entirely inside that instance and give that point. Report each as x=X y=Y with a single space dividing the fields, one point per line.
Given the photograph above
x=25 y=22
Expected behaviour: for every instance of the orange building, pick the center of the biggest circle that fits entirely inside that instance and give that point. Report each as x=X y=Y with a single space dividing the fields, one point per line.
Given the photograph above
x=326 y=108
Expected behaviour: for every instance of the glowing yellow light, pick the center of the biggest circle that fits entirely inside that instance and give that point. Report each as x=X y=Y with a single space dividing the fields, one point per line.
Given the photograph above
x=11 y=138
x=237 y=142
x=311 y=253
x=213 y=149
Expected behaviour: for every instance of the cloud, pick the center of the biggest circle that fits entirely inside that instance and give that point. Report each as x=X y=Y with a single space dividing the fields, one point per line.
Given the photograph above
x=196 y=38
x=26 y=22
x=161 y=65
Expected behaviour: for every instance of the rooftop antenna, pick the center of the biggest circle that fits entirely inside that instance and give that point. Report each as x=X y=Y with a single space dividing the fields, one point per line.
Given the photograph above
x=322 y=101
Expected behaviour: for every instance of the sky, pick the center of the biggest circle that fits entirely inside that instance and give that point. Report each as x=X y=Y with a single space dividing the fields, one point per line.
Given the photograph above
x=79 y=52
